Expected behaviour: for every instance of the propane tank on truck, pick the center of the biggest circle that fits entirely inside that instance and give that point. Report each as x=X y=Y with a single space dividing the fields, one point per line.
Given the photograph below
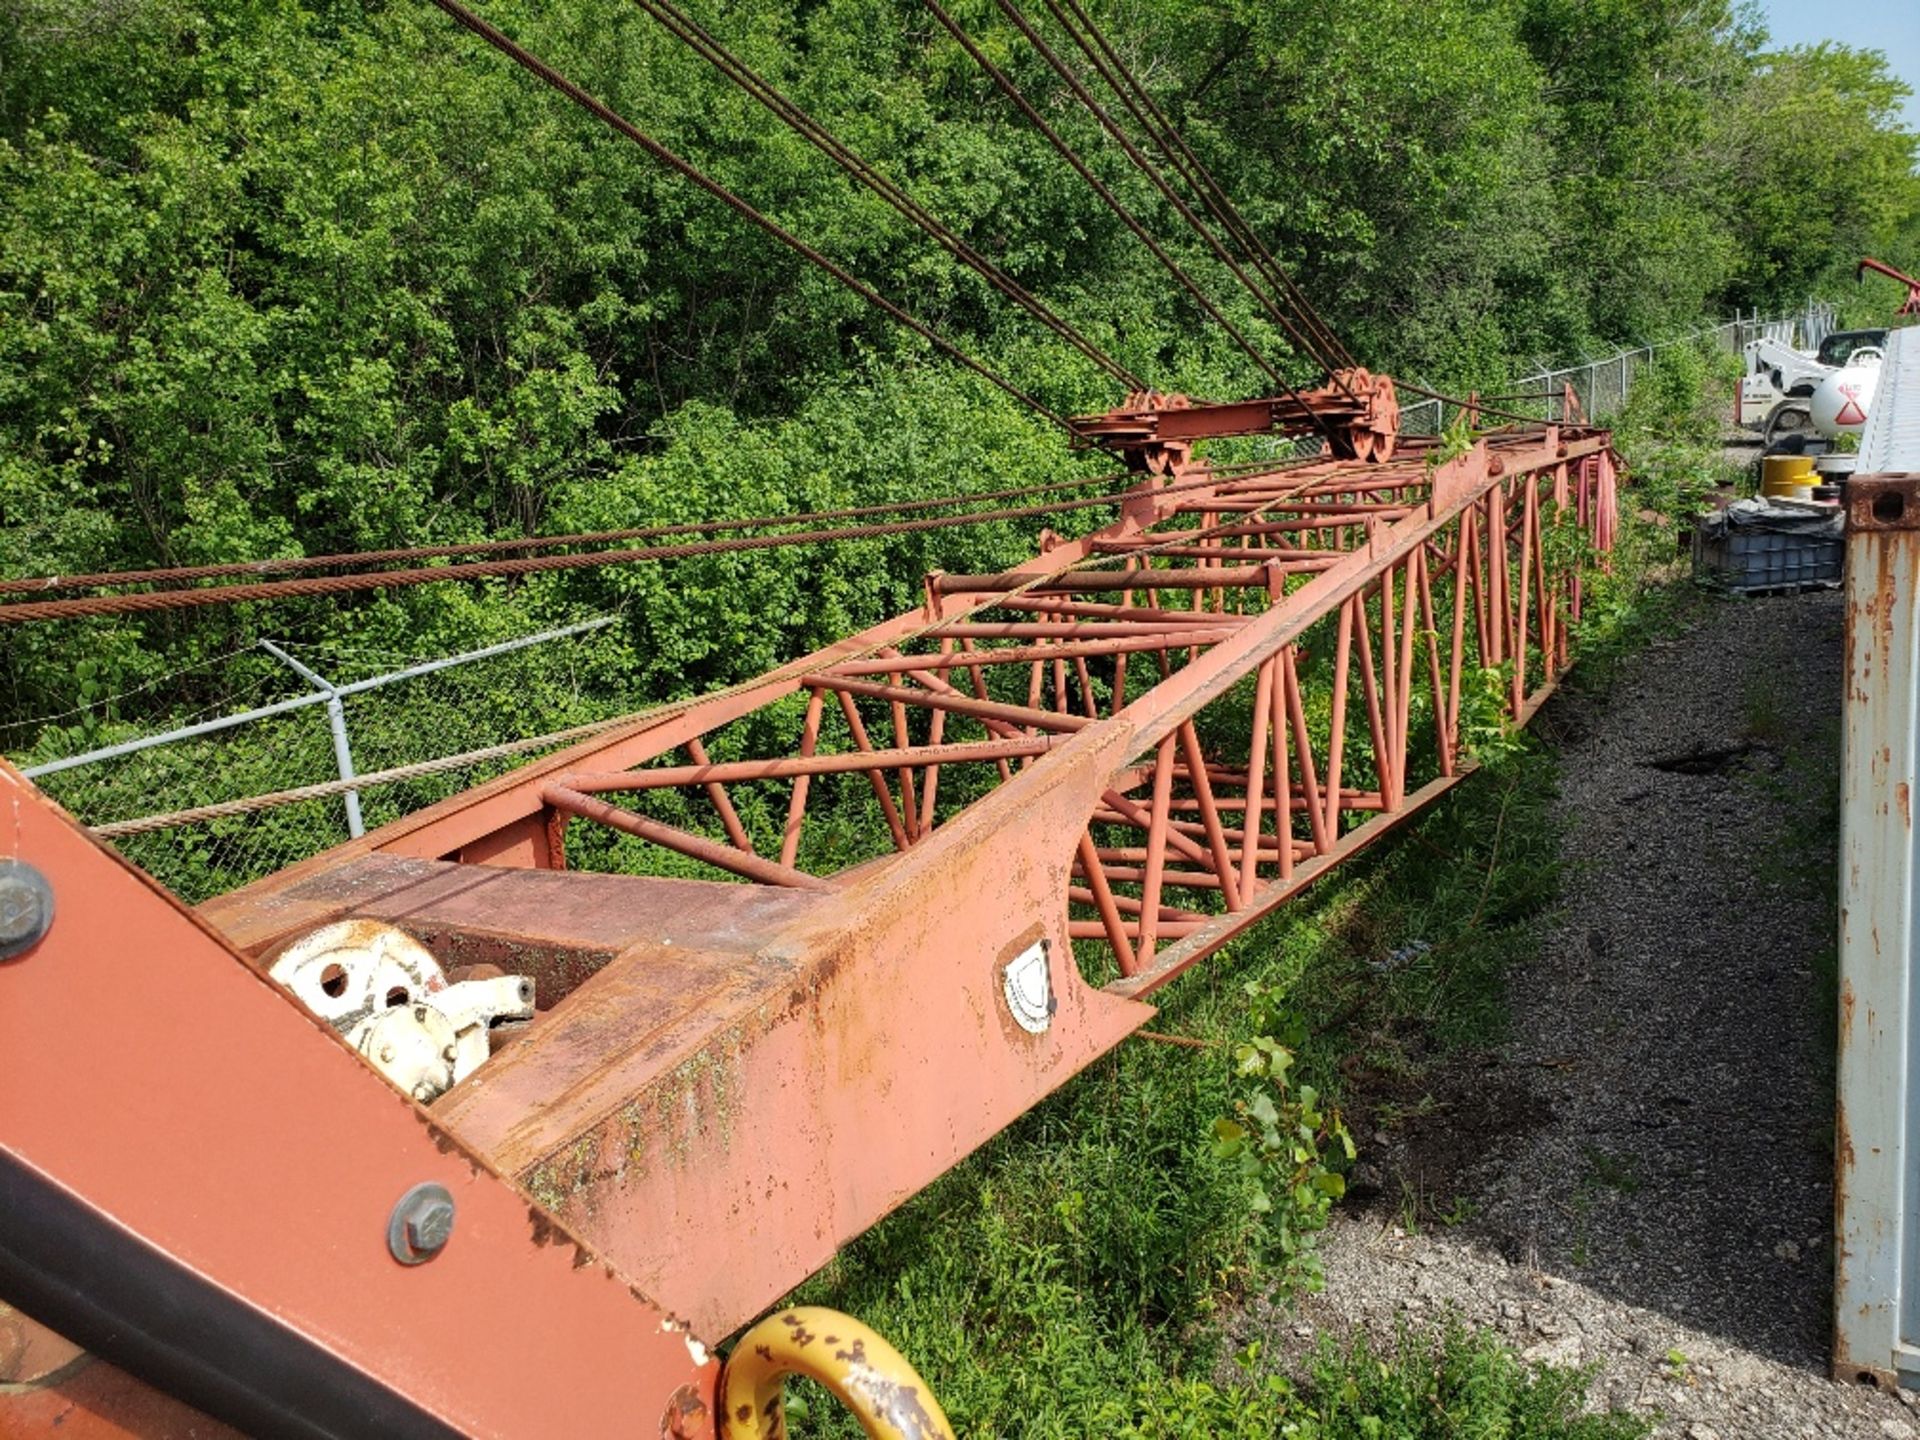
x=1841 y=401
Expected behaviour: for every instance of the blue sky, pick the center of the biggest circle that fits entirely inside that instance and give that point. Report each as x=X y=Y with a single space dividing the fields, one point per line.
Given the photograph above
x=1889 y=25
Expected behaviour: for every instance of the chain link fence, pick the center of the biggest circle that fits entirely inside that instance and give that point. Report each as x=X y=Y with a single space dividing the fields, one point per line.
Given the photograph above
x=447 y=724
x=1600 y=386
x=393 y=720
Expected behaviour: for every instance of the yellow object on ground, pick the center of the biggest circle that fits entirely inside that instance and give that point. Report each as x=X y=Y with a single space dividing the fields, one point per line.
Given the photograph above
x=864 y=1372
x=1787 y=477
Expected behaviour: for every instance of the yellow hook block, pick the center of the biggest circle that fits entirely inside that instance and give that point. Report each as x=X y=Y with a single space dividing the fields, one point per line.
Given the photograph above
x=863 y=1372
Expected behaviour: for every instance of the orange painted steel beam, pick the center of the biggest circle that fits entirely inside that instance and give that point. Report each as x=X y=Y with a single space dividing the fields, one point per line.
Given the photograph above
x=1911 y=305
x=1358 y=412
x=198 y=1178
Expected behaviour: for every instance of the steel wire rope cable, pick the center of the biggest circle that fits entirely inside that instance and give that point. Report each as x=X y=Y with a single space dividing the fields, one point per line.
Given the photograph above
x=535 y=66
x=1113 y=202
x=1172 y=143
x=1480 y=405
x=148 y=601
x=1168 y=138
x=1213 y=195
x=1173 y=137
x=182 y=574
x=1152 y=172
x=657 y=715
x=690 y=33
x=22 y=612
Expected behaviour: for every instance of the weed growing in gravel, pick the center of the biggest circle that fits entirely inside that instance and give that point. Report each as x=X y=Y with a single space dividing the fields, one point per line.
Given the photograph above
x=1605 y=1171
x=1424 y=1387
x=1765 y=718
x=1618 y=1173
x=1284 y=1139
x=1679 y=1367
x=1413 y=1205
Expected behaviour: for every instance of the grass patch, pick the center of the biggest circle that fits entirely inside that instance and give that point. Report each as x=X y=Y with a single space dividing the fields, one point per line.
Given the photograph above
x=1433 y=1385
x=1670 y=434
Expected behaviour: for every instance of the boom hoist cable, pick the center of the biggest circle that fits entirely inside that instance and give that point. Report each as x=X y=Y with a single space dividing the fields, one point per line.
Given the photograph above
x=1147 y=168
x=1167 y=138
x=1358 y=413
x=703 y=43
x=1361 y=420
x=1146 y=111
x=1113 y=202
x=690 y=33
x=539 y=68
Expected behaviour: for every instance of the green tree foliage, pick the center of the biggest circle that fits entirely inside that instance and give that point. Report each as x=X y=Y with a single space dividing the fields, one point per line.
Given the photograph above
x=1818 y=166
x=1633 y=90
x=300 y=276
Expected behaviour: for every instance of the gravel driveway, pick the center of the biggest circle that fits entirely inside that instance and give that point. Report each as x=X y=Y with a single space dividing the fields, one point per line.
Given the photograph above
x=1640 y=1179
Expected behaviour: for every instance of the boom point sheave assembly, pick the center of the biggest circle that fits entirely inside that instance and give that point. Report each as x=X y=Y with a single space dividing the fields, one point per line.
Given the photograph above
x=464 y=1128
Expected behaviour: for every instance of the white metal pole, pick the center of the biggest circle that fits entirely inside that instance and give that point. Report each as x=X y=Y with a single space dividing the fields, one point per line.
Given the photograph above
x=300 y=702
x=337 y=722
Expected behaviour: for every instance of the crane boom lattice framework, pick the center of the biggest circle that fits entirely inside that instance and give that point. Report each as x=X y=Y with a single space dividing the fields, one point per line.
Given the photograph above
x=1093 y=770
x=738 y=1038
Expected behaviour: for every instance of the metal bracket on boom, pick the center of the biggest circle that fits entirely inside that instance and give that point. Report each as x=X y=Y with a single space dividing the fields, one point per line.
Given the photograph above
x=1899 y=277
x=1155 y=433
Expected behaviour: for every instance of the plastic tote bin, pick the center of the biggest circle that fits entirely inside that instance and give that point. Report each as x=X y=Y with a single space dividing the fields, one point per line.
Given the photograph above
x=1757 y=546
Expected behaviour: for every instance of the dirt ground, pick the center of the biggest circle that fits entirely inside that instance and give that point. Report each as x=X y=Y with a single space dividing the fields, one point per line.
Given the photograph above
x=1640 y=1178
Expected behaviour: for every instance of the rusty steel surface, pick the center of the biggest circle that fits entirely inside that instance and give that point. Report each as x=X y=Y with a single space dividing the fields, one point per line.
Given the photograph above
x=198 y=1179
x=750 y=1058
x=1876 y=1151
x=1876 y=1305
